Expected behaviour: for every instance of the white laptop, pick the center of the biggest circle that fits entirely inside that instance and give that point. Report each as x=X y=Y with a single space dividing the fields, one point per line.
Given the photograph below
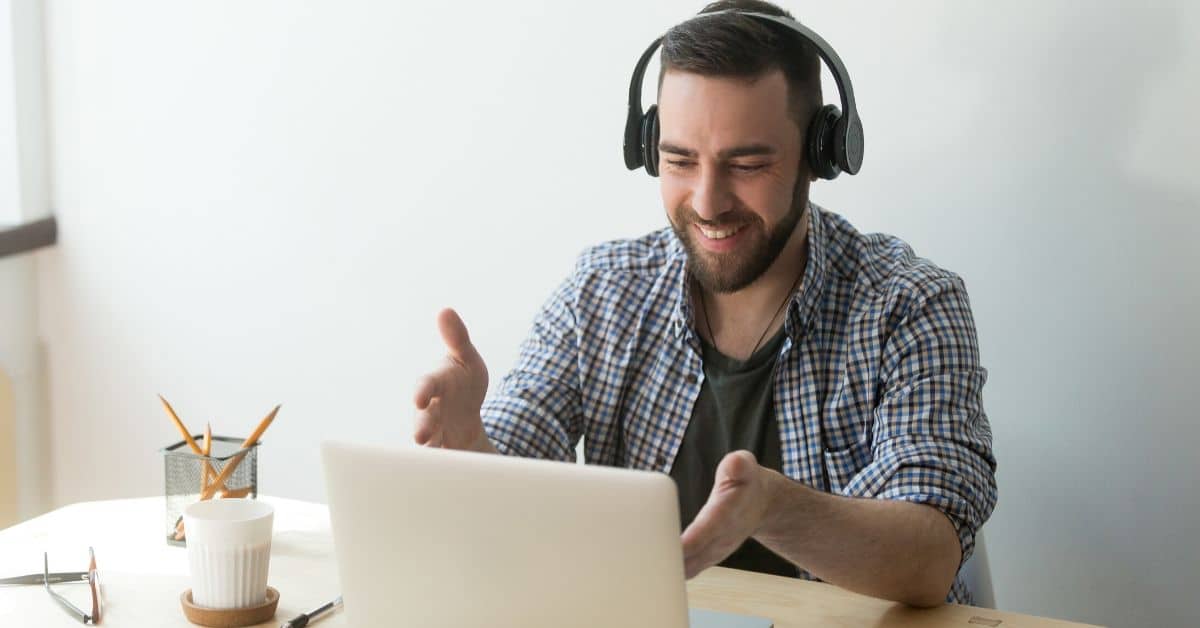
x=431 y=537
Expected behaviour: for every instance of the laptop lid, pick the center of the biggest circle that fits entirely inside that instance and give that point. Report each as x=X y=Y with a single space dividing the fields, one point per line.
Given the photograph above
x=432 y=537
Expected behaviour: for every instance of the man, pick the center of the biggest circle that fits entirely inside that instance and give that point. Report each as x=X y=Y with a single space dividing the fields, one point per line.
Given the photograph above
x=815 y=392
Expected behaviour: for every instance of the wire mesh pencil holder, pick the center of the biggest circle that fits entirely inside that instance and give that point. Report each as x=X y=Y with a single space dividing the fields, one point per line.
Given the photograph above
x=190 y=477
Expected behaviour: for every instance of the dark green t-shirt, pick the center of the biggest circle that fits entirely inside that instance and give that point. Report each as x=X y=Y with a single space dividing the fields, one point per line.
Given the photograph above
x=735 y=411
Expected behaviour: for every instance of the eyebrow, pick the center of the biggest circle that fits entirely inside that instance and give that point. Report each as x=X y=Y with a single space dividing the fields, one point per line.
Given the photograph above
x=728 y=153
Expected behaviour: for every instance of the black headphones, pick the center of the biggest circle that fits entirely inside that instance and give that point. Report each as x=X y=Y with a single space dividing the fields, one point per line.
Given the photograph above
x=834 y=141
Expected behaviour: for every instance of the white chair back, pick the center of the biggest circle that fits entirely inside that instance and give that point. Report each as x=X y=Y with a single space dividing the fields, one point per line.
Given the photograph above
x=977 y=573
x=8 y=453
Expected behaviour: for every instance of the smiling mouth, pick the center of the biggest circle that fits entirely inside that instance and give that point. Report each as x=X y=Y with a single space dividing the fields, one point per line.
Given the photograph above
x=720 y=234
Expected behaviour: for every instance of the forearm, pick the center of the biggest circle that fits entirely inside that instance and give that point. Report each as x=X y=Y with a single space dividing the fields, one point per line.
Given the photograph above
x=883 y=548
x=514 y=425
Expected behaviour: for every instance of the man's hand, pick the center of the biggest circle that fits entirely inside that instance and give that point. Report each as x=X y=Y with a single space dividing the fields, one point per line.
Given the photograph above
x=449 y=399
x=734 y=512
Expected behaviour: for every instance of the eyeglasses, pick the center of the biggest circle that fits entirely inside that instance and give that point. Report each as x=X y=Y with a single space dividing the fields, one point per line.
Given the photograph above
x=91 y=577
x=93 y=580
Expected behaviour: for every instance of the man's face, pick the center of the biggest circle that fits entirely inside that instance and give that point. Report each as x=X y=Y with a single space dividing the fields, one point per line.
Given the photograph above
x=731 y=175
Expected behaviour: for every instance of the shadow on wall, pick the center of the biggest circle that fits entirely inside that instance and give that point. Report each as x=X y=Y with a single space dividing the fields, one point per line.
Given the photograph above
x=8 y=453
x=1093 y=233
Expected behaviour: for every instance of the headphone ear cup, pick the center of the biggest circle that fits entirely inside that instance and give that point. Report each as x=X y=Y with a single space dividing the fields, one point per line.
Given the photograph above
x=650 y=141
x=847 y=146
x=820 y=145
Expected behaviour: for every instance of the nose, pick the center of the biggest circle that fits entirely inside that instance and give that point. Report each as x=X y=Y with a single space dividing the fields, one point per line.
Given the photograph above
x=710 y=195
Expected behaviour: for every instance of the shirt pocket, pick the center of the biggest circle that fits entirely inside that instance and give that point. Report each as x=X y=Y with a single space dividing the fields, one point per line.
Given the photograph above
x=843 y=464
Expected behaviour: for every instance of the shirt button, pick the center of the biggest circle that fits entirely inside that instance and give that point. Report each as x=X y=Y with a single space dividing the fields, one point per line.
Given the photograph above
x=660 y=461
x=691 y=379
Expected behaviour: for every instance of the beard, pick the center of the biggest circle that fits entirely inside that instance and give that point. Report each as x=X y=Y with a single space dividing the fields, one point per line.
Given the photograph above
x=732 y=271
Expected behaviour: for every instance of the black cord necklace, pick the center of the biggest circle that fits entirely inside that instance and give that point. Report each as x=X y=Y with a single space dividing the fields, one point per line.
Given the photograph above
x=787 y=297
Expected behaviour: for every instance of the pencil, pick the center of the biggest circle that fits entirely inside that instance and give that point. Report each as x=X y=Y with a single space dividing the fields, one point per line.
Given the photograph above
x=221 y=477
x=262 y=427
x=207 y=451
x=187 y=436
x=250 y=441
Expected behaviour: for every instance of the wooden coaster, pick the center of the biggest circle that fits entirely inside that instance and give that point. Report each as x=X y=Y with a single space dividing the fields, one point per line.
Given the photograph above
x=229 y=617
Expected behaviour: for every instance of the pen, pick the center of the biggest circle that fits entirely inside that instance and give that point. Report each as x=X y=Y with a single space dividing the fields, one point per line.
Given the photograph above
x=304 y=619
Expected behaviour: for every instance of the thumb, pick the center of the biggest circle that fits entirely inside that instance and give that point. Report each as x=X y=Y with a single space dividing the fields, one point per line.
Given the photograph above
x=454 y=334
x=736 y=467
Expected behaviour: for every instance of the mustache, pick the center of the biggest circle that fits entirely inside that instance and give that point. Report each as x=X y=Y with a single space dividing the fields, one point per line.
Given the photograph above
x=731 y=218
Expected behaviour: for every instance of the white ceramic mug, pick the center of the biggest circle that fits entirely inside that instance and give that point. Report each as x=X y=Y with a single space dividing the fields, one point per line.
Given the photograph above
x=229 y=551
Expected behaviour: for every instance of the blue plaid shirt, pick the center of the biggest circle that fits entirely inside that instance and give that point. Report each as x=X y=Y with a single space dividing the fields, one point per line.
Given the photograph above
x=878 y=387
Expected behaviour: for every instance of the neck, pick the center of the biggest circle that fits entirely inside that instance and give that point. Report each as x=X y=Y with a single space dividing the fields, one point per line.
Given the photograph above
x=737 y=320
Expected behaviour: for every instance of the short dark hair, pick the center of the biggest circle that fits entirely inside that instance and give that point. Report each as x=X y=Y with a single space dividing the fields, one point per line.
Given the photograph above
x=737 y=46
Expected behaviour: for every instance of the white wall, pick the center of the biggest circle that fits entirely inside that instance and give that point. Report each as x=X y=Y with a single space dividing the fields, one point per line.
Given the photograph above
x=267 y=202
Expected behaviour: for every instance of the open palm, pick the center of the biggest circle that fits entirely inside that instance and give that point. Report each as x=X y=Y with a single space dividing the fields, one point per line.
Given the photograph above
x=448 y=399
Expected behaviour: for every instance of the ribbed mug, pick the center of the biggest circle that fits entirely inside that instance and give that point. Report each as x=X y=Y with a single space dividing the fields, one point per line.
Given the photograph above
x=229 y=551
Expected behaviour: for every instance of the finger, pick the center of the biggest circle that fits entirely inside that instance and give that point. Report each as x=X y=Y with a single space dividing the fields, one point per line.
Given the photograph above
x=704 y=546
x=705 y=541
x=454 y=334
x=712 y=554
x=428 y=424
x=422 y=436
x=699 y=533
x=693 y=565
x=429 y=437
x=428 y=387
x=701 y=558
x=691 y=547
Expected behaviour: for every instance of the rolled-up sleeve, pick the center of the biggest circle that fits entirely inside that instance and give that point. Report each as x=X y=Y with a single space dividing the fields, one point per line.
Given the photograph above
x=931 y=441
x=535 y=411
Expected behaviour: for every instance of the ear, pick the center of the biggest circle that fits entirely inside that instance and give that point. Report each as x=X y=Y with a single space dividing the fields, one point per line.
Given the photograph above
x=806 y=171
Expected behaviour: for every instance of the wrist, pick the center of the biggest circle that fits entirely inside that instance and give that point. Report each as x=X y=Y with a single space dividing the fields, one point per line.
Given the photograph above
x=773 y=487
x=483 y=444
x=785 y=500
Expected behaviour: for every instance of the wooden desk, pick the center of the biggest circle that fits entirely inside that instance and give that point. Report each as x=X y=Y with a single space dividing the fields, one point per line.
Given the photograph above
x=142 y=576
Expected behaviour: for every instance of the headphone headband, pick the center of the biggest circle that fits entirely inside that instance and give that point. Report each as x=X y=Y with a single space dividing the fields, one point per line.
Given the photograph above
x=847 y=135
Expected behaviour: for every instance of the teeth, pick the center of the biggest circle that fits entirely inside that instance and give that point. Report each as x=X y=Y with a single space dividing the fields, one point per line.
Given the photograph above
x=719 y=234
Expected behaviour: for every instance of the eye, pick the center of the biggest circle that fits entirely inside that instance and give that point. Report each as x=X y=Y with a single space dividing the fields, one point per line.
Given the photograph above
x=680 y=163
x=748 y=167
